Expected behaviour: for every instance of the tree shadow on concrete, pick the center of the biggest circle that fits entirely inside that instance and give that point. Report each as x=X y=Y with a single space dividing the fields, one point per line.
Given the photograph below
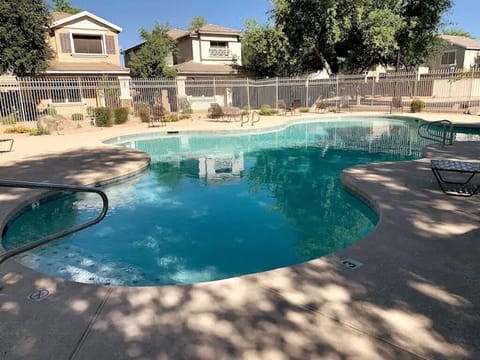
x=416 y=295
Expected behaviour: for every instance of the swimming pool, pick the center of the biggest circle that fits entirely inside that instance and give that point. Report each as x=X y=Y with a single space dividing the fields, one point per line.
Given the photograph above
x=217 y=206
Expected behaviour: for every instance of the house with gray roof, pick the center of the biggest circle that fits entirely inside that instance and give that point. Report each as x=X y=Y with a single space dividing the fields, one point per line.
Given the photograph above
x=459 y=52
x=212 y=51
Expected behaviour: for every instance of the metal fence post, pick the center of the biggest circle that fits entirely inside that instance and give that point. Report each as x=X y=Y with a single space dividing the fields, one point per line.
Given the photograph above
x=214 y=90
x=248 y=94
x=306 y=96
x=276 y=93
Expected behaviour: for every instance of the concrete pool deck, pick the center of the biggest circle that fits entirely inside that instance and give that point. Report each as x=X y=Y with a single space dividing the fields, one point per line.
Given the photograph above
x=417 y=295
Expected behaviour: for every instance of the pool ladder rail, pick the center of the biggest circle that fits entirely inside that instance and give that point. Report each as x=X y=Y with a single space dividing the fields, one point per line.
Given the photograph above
x=53 y=187
x=441 y=132
x=254 y=117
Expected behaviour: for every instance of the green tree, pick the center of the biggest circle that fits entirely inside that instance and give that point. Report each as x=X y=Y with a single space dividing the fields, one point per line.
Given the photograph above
x=265 y=51
x=457 y=32
x=65 y=6
x=419 y=37
x=23 y=31
x=196 y=23
x=357 y=34
x=151 y=59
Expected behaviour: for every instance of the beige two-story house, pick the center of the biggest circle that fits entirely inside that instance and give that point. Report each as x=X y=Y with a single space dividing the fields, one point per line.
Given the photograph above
x=212 y=51
x=85 y=68
x=84 y=44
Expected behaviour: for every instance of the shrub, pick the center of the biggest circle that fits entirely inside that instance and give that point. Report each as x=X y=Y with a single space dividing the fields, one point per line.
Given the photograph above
x=304 y=109
x=40 y=130
x=103 y=117
x=121 y=115
x=9 y=119
x=51 y=111
x=244 y=112
x=171 y=117
x=210 y=114
x=267 y=110
x=17 y=130
x=417 y=105
x=77 y=117
x=144 y=115
x=184 y=116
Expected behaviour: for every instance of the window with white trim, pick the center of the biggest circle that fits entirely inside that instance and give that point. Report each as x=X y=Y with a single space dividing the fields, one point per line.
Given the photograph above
x=448 y=58
x=87 y=44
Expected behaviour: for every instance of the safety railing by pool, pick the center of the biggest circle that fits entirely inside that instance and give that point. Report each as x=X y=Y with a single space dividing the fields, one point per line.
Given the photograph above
x=438 y=131
x=54 y=187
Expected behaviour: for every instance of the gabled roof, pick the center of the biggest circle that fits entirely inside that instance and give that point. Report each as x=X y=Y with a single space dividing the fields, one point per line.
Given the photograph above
x=57 y=15
x=177 y=33
x=462 y=41
x=58 y=67
x=70 y=18
x=216 y=29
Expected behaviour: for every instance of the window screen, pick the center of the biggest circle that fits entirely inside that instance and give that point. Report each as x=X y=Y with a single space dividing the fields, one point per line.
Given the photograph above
x=87 y=44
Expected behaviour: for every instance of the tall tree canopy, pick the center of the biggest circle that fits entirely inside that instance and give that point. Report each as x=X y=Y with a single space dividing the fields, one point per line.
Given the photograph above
x=353 y=35
x=265 y=50
x=65 y=6
x=151 y=59
x=23 y=31
x=196 y=23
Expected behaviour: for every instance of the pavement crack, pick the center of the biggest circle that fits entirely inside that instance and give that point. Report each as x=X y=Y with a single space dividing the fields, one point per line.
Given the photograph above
x=86 y=332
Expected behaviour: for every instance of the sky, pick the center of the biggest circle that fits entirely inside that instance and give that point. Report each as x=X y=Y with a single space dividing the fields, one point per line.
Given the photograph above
x=131 y=15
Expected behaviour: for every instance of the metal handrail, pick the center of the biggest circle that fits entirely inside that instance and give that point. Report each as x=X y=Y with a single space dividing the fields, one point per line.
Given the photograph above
x=443 y=136
x=47 y=186
x=257 y=115
x=243 y=122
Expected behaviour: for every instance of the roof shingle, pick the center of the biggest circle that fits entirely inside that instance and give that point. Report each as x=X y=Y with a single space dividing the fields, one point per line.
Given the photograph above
x=462 y=41
x=94 y=67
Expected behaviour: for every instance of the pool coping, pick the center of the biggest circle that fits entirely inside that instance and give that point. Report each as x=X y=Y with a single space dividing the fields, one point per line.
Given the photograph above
x=304 y=297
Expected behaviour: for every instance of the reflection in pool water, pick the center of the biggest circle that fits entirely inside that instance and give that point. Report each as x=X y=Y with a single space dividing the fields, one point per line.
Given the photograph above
x=213 y=207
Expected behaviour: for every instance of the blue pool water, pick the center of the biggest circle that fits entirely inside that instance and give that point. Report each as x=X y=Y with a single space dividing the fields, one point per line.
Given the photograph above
x=212 y=207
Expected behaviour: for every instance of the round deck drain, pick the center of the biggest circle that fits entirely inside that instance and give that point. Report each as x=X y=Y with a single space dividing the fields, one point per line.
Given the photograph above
x=351 y=263
x=38 y=295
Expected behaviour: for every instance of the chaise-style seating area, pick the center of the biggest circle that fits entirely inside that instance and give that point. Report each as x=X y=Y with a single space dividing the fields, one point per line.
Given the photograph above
x=456 y=177
x=9 y=145
x=285 y=109
x=226 y=113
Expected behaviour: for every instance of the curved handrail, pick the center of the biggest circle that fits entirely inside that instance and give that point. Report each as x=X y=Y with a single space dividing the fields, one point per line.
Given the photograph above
x=444 y=135
x=257 y=115
x=242 y=122
x=47 y=186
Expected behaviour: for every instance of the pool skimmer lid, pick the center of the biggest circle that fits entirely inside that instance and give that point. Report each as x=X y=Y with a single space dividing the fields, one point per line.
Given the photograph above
x=351 y=263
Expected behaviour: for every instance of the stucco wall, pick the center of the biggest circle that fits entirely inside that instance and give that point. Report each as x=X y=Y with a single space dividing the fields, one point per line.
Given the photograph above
x=465 y=88
x=470 y=56
x=185 y=52
x=90 y=28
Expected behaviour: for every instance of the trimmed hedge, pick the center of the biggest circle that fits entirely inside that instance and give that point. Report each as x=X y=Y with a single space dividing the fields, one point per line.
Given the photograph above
x=121 y=115
x=103 y=117
x=417 y=105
